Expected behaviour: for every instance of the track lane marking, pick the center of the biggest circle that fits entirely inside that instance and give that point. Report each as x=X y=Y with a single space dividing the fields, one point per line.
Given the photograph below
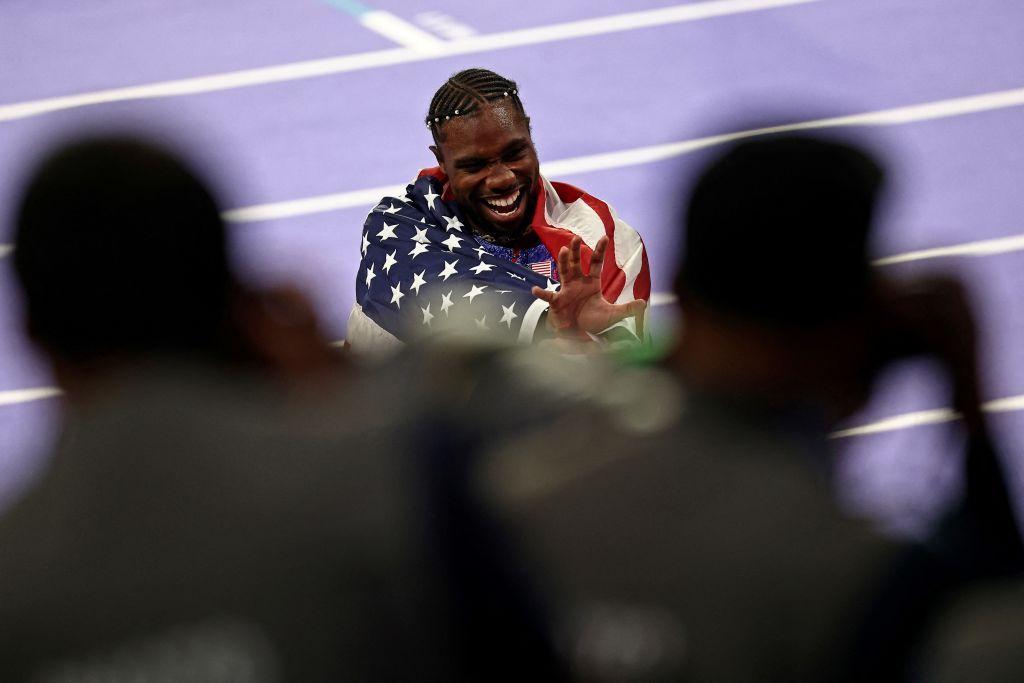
x=389 y=57
x=889 y=424
x=939 y=109
x=16 y=396
x=927 y=417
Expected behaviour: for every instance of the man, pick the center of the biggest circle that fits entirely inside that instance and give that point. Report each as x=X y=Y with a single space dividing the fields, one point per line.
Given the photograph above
x=681 y=523
x=479 y=238
x=196 y=522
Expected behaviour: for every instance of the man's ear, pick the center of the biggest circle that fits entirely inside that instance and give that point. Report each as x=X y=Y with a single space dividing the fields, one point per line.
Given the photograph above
x=438 y=154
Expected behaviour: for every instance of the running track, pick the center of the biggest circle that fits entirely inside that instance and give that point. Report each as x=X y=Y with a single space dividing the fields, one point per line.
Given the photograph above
x=303 y=108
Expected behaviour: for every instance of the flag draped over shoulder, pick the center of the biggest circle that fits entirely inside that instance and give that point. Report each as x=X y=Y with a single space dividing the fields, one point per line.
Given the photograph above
x=422 y=267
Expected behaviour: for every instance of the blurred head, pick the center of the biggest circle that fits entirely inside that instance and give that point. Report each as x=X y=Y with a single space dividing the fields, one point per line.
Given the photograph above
x=775 y=258
x=483 y=144
x=120 y=250
x=777 y=231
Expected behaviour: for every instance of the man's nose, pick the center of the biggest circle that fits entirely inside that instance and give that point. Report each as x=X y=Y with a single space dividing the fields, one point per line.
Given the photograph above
x=500 y=178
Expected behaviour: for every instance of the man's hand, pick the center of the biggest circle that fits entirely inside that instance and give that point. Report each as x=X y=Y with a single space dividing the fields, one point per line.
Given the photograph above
x=578 y=306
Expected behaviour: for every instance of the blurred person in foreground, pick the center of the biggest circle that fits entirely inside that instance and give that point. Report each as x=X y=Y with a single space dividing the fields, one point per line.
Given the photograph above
x=197 y=521
x=480 y=238
x=680 y=520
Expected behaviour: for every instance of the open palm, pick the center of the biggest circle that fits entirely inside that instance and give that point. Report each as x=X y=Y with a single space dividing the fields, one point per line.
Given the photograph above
x=579 y=305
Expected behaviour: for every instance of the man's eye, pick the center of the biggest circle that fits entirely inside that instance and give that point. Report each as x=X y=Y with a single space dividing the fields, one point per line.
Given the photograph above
x=515 y=155
x=471 y=168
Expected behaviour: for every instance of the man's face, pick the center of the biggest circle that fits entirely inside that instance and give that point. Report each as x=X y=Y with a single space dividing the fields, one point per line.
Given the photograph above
x=492 y=168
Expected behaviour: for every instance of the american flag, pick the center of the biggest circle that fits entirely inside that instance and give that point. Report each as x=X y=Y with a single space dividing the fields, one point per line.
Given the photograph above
x=421 y=265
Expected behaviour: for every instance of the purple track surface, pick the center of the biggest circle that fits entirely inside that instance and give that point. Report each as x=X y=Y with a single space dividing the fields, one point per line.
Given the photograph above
x=957 y=177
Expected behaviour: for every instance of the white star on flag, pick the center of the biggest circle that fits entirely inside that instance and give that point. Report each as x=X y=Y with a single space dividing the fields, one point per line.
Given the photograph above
x=452 y=242
x=449 y=270
x=446 y=302
x=514 y=276
x=427 y=315
x=387 y=231
x=482 y=267
x=366 y=243
x=389 y=261
x=396 y=295
x=418 y=249
x=392 y=208
x=421 y=236
x=370 y=275
x=418 y=281
x=481 y=324
x=430 y=197
x=508 y=315
x=474 y=292
x=453 y=223
x=480 y=251
x=552 y=286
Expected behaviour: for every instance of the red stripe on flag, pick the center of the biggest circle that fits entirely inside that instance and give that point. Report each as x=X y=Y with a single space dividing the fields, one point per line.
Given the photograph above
x=642 y=284
x=613 y=278
x=554 y=238
x=611 y=286
x=437 y=174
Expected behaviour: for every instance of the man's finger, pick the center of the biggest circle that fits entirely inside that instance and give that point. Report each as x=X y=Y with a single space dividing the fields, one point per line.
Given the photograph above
x=564 y=270
x=597 y=258
x=574 y=256
x=544 y=294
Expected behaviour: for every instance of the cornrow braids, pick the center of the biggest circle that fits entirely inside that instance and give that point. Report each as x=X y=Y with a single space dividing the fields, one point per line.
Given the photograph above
x=465 y=92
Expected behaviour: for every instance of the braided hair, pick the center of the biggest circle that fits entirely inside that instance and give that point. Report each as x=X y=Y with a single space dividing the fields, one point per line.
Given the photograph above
x=465 y=92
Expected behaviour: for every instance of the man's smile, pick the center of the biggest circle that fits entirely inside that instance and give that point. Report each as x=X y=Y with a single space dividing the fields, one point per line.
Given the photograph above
x=506 y=207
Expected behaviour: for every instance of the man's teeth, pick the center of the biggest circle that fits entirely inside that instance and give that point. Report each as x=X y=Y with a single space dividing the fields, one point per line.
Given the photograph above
x=504 y=202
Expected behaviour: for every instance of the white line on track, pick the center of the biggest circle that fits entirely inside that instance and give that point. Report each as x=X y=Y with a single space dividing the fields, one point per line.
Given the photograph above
x=381 y=58
x=993 y=247
x=939 y=109
x=1000 y=245
x=928 y=417
x=889 y=424
x=402 y=32
x=25 y=395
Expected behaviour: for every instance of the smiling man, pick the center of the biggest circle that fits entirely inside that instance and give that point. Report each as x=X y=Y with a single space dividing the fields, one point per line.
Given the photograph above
x=483 y=240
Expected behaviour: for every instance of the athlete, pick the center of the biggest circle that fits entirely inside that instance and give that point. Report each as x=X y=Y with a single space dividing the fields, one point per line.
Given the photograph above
x=483 y=240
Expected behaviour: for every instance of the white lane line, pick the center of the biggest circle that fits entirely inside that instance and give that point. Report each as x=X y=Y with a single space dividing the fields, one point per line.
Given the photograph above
x=897 y=422
x=381 y=58
x=662 y=298
x=444 y=25
x=1000 y=245
x=402 y=32
x=939 y=109
x=308 y=205
x=928 y=417
x=25 y=395
x=992 y=247
x=889 y=424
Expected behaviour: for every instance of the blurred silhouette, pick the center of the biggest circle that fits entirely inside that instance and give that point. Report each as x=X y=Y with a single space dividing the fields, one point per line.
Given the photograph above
x=200 y=520
x=680 y=519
